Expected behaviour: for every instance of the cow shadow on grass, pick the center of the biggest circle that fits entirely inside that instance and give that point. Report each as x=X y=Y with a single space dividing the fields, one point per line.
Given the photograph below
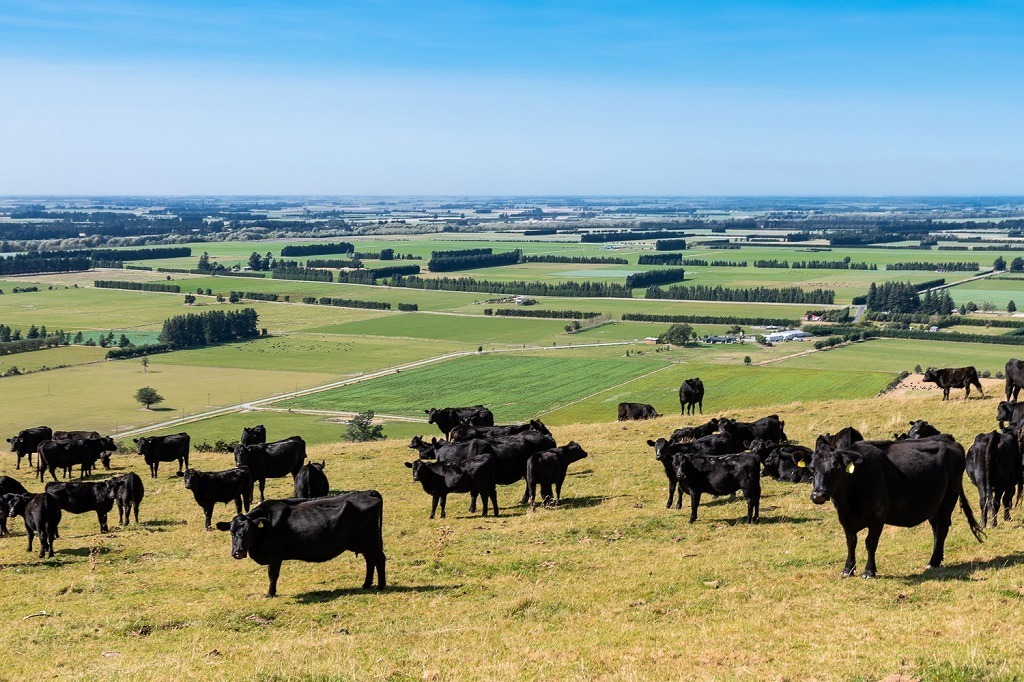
x=964 y=569
x=82 y=551
x=321 y=596
x=160 y=523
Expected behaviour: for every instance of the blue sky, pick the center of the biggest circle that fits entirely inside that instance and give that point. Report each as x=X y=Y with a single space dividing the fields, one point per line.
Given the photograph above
x=379 y=97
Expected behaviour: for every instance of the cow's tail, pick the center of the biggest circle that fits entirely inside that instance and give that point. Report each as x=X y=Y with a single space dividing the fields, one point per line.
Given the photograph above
x=965 y=506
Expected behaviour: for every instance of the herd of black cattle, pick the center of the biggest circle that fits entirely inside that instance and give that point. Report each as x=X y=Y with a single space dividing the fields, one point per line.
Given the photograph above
x=916 y=477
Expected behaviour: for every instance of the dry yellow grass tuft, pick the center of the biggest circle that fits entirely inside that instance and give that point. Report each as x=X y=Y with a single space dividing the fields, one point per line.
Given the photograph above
x=611 y=586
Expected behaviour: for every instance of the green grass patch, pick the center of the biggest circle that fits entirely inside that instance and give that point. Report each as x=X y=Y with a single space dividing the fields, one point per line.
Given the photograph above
x=466 y=330
x=895 y=355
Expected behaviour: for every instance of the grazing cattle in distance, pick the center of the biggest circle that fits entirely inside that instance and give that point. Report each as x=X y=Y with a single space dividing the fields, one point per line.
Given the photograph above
x=994 y=467
x=156 y=449
x=919 y=428
x=472 y=475
x=272 y=460
x=42 y=517
x=766 y=428
x=464 y=431
x=64 y=454
x=253 y=435
x=903 y=483
x=311 y=481
x=636 y=411
x=312 y=530
x=720 y=475
x=954 y=377
x=691 y=392
x=209 y=488
x=547 y=469
x=447 y=418
x=27 y=442
x=81 y=498
x=694 y=432
x=1012 y=412
x=1014 y=372
x=128 y=493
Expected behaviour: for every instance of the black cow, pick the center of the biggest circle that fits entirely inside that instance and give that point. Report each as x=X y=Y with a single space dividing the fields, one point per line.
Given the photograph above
x=424 y=448
x=510 y=457
x=64 y=454
x=272 y=460
x=1012 y=412
x=312 y=530
x=473 y=475
x=766 y=428
x=42 y=517
x=842 y=439
x=80 y=498
x=447 y=418
x=663 y=452
x=994 y=467
x=4 y=512
x=691 y=392
x=464 y=431
x=783 y=461
x=902 y=483
x=27 y=441
x=720 y=475
x=11 y=485
x=253 y=435
x=919 y=428
x=687 y=433
x=548 y=468
x=1014 y=372
x=156 y=449
x=85 y=435
x=311 y=481
x=209 y=488
x=128 y=493
x=453 y=453
x=954 y=377
x=636 y=411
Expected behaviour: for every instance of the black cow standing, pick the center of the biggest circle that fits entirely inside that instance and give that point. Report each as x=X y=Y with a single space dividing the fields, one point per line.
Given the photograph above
x=80 y=498
x=1014 y=372
x=958 y=377
x=547 y=469
x=902 y=483
x=156 y=449
x=691 y=392
x=994 y=467
x=636 y=411
x=474 y=475
x=720 y=475
x=42 y=517
x=312 y=530
x=64 y=454
x=447 y=418
x=1008 y=411
x=209 y=488
x=663 y=452
x=27 y=441
x=253 y=435
x=311 y=481
x=128 y=493
x=272 y=460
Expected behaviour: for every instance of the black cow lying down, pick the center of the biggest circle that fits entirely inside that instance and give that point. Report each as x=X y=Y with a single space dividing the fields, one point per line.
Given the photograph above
x=902 y=483
x=919 y=428
x=312 y=530
x=636 y=411
x=687 y=433
x=954 y=377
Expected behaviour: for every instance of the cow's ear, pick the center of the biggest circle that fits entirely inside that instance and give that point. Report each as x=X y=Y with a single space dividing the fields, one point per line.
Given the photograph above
x=409 y=464
x=651 y=442
x=426 y=411
x=223 y=525
x=135 y=440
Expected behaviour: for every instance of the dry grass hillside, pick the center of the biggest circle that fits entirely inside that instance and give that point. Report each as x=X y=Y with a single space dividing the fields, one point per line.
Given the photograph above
x=610 y=586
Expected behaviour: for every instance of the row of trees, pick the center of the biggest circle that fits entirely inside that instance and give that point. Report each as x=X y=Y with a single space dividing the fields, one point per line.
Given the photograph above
x=652 y=277
x=137 y=286
x=551 y=314
x=952 y=266
x=715 y=263
x=623 y=236
x=347 y=303
x=23 y=264
x=903 y=297
x=703 y=292
x=582 y=289
x=595 y=260
x=711 y=319
x=660 y=259
x=670 y=245
x=448 y=261
x=317 y=249
x=303 y=274
x=214 y=326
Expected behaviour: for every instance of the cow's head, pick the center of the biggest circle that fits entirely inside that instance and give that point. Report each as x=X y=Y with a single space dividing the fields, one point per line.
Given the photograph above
x=460 y=432
x=431 y=415
x=760 y=447
x=538 y=425
x=142 y=444
x=16 y=503
x=661 y=448
x=243 y=528
x=16 y=443
x=830 y=468
x=417 y=467
x=319 y=466
x=931 y=375
x=190 y=477
x=572 y=452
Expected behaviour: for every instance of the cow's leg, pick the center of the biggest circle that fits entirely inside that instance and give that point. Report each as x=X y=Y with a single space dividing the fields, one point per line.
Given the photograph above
x=851 y=553
x=871 y=542
x=494 y=500
x=940 y=528
x=694 y=503
x=1007 y=503
x=558 y=492
x=238 y=506
x=370 y=565
x=381 y=563
x=263 y=483
x=102 y=516
x=532 y=486
x=135 y=510
x=444 y=501
x=995 y=508
x=208 y=513
x=273 y=571
x=18 y=464
x=485 y=501
x=679 y=499
x=53 y=473
x=671 y=494
x=701 y=406
x=753 y=505
x=433 y=505
x=30 y=536
x=472 y=503
x=526 y=494
x=983 y=503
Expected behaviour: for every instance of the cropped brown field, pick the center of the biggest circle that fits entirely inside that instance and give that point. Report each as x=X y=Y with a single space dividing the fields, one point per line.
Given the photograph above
x=610 y=586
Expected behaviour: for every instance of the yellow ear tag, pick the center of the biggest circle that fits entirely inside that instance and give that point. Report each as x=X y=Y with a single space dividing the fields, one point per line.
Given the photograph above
x=849 y=468
x=801 y=464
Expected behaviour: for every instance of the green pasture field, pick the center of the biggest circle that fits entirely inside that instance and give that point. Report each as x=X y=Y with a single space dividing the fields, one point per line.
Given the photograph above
x=970 y=329
x=99 y=396
x=529 y=595
x=895 y=355
x=514 y=386
x=466 y=330
x=51 y=357
x=324 y=354
x=995 y=290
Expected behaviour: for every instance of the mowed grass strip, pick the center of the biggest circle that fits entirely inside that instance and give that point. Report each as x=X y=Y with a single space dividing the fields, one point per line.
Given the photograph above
x=513 y=386
x=726 y=388
x=610 y=586
x=469 y=330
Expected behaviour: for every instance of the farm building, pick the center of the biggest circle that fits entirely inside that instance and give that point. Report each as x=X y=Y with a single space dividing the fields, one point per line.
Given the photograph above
x=791 y=335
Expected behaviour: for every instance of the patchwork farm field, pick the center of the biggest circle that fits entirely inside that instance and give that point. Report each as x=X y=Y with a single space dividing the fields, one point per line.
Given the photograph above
x=718 y=599
x=896 y=355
